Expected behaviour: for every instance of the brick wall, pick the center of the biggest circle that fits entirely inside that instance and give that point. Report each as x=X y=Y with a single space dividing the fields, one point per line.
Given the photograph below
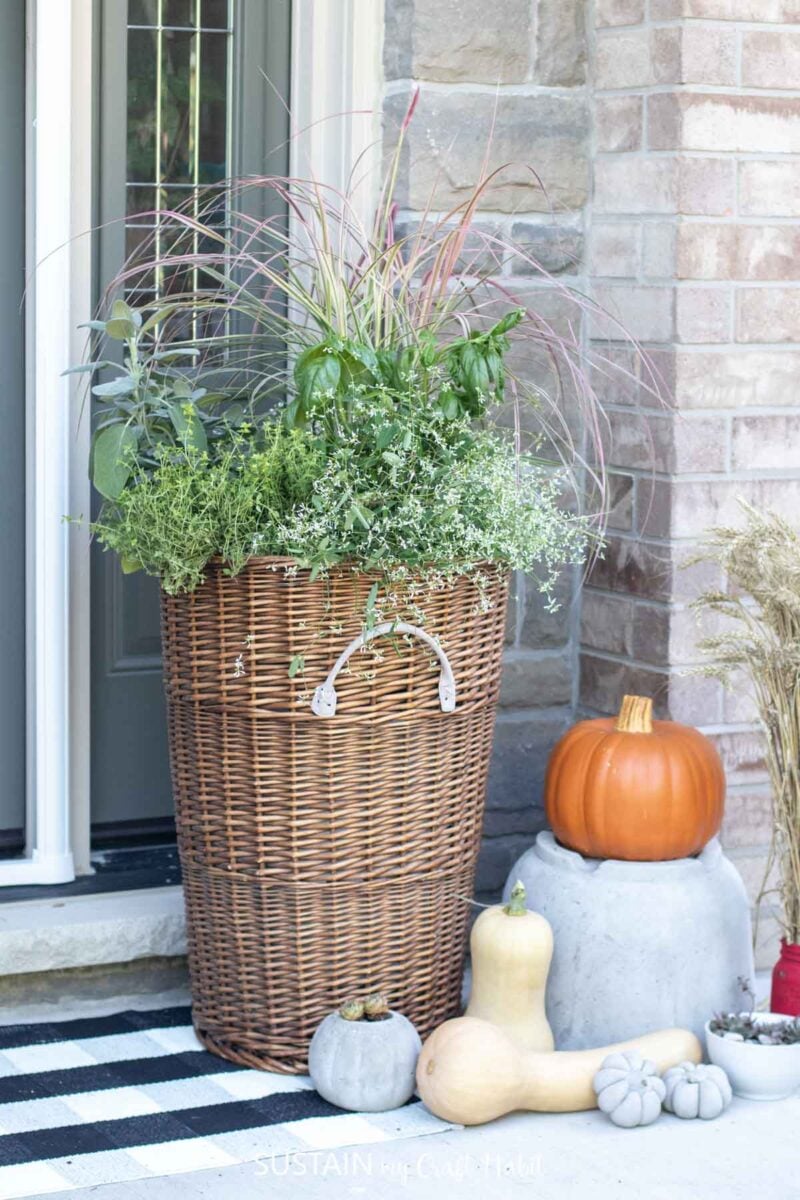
x=695 y=242
x=667 y=133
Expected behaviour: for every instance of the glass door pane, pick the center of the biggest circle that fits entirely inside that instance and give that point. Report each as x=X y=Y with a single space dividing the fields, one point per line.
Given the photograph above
x=179 y=136
x=185 y=105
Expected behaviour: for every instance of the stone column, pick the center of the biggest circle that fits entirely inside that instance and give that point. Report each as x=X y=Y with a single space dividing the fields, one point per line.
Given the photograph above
x=518 y=70
x=695 y=246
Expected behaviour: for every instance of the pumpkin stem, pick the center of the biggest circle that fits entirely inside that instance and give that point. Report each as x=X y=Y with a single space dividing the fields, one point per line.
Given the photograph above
x=516 y=906
x=635 y=715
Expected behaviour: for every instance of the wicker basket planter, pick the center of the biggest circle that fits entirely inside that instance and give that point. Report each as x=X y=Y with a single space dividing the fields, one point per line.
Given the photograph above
x=324 y=856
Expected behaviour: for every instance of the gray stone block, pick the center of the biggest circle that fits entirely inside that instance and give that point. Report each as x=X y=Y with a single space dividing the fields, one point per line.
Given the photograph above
x=503 y=822
x=555 y=248
x=534 y=679
x=398 y=50
x=560 y=43
x=448 y=138
x=522 y=745
x=544 y=628
x=495 y=859
x=482 y=252
x=452 y=41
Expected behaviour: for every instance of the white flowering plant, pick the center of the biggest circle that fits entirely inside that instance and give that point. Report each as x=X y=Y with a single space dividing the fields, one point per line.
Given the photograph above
x=422 y=492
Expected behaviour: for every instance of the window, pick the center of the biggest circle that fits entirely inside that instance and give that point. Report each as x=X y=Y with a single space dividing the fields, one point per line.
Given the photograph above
x=178 y=140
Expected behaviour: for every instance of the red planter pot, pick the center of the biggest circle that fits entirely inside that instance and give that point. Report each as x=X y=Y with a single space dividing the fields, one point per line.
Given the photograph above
x=786 y=980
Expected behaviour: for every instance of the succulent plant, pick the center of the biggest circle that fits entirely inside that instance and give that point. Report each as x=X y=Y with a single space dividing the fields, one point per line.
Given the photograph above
x=376 y=1007
x=747 y=1027
x=352 y=1010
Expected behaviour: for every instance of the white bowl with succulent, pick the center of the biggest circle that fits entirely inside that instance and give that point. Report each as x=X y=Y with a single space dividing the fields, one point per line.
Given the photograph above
x=759 y=1052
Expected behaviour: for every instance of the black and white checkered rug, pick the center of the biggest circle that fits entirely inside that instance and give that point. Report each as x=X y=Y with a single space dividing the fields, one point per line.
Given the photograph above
x=114 y=1098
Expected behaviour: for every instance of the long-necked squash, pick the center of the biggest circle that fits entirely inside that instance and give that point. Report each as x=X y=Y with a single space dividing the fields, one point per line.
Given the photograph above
x=470 y=1071
x=511 y=949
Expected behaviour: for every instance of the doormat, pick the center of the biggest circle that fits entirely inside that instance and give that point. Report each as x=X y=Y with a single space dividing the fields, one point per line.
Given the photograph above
x=134 y=1095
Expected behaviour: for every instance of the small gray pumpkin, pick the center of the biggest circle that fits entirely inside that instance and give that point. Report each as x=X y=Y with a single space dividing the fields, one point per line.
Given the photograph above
x=364 y=1057
x=696 y=1091
x=629 y=1089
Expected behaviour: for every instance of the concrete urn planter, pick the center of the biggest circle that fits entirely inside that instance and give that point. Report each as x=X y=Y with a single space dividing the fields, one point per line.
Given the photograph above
x=639 y=946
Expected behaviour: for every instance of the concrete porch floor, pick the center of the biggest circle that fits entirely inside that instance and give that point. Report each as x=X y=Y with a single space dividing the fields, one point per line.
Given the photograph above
x=750 y=1151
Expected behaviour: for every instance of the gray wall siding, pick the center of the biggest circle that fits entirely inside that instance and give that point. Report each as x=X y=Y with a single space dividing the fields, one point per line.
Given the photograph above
x=12 y=443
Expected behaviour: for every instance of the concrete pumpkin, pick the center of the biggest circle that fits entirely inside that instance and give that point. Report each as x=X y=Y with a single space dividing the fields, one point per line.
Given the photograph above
x=363 y=1057
x=629 y=1089
x=634 y=788
x=696 y=1090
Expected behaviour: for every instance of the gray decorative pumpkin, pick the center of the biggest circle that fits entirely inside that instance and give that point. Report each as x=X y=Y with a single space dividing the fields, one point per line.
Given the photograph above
x=696 y=1091
x=364 y=1057
x=629 y=1089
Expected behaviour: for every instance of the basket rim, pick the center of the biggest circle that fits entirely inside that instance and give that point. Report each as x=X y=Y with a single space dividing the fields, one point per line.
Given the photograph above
x=354 y=564
x=346 y=567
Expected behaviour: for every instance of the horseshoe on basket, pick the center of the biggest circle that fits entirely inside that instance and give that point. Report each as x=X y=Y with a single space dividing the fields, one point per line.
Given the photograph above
x=324 y=702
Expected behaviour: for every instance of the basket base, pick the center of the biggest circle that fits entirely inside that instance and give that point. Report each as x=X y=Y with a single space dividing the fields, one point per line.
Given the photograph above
x=246 y=1058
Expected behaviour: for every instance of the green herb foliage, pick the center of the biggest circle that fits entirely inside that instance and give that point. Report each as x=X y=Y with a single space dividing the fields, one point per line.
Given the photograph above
x=402 y=486
x=150 y=404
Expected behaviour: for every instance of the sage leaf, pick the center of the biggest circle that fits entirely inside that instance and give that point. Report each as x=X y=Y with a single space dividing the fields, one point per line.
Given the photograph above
x=169 y=355
x=188 y=426
x=112 y=454
x=157 y=317
x=88 y=368
x=123 y=386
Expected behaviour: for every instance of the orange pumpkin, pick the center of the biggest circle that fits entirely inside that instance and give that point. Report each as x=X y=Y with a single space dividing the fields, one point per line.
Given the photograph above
x=634 y=788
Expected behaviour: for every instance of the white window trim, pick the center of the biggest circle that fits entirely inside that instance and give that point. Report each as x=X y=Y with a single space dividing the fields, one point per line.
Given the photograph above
x=337 y=86
x=336 y=99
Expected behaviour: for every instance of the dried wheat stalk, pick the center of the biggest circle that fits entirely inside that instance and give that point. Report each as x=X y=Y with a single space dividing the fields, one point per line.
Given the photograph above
x=760 y=638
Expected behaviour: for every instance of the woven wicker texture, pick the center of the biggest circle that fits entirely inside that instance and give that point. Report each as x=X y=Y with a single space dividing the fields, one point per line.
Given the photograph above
x=324 y=857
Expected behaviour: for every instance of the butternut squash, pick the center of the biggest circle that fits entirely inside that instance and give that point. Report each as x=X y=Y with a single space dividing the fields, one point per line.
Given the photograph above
x=511 y=949
x=470 y=1071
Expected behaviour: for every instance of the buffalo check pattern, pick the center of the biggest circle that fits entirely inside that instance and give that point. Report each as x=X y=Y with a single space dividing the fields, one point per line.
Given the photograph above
x=108 y=1099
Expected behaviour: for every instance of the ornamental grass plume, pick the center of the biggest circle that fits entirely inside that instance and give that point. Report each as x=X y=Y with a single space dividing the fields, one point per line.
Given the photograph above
x=760 y=639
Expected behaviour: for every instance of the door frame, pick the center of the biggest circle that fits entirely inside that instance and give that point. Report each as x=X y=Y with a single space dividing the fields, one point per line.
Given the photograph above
x=336 y=72
x=58 y=132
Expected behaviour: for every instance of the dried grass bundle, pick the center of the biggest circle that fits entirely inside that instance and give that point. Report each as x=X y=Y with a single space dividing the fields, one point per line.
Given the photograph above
x=760 y=639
